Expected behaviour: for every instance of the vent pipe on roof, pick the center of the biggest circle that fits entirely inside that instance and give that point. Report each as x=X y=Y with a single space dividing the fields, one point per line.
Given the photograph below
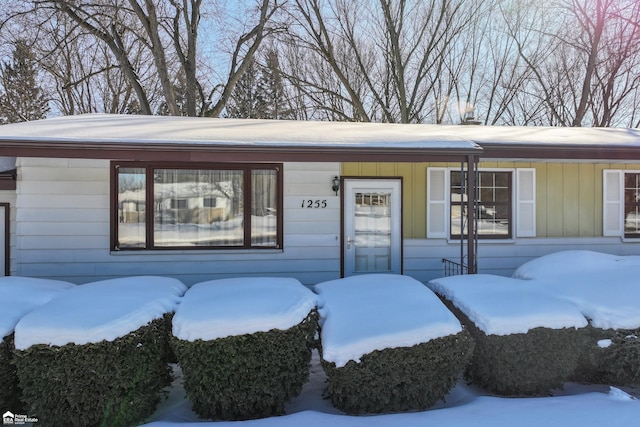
x=469 y=119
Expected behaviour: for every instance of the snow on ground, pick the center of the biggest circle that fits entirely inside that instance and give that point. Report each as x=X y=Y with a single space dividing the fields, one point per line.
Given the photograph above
x=98 y=311
x=230 y=307
x=465 y=406
x=361 y=314
x=604 y=287
x=599 y=285
x=503 y=306
x=20 y=295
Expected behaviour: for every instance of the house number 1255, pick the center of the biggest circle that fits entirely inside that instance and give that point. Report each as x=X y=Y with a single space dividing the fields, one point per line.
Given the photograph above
x=314 y=204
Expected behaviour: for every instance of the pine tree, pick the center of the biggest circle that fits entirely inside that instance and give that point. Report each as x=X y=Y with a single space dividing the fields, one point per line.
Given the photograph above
x=271 y=88
x=259 y=94
x=21 y=98
x=245 y=100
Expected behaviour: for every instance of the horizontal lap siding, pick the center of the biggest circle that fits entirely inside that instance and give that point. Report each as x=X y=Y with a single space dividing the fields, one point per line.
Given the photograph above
x=423 y=257
x=63 y=230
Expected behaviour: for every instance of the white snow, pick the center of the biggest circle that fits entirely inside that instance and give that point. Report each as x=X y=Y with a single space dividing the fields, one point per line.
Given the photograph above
x=125 y=129
x=231 y=307
x=20 y=295
x=580 y=278
x=604 y=287
x=502 y=306
x=98 y=311
x=370 y=312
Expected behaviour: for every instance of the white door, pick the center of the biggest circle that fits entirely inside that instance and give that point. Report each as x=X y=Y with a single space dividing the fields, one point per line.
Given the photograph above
x=372 y=238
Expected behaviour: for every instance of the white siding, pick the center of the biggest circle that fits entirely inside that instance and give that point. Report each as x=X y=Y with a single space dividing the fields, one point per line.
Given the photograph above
x=423 y=257
x=62 y=211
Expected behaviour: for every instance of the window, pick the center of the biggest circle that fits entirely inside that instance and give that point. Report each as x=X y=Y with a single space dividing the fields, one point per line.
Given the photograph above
x=506 y=203
x=203 y=206
x=494 y=205
x=632 y=205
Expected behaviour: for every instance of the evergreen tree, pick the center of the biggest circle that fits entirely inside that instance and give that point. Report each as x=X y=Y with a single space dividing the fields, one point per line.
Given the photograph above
x=245 y=100
x=259 y=94
x=21 y=98
x=271 y=89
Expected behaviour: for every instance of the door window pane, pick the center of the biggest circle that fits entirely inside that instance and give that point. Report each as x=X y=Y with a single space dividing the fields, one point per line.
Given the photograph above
x=372 y=232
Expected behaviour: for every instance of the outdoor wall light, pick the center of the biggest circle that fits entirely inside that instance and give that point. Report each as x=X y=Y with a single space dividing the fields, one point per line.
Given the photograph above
x=335 y=184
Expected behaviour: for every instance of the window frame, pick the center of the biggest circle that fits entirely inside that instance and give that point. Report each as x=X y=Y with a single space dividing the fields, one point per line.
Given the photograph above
x=510 y=204
x=636 y=204
x=150 y=167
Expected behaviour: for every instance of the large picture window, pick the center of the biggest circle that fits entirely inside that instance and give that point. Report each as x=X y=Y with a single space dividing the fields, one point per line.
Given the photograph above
x=494 y=205
x=203 y=206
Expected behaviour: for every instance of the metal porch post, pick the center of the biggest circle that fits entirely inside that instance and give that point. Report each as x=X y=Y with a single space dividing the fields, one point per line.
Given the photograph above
x=472 y=167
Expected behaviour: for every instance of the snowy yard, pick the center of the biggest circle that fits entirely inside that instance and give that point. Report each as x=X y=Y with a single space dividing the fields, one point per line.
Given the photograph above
x=602 y=288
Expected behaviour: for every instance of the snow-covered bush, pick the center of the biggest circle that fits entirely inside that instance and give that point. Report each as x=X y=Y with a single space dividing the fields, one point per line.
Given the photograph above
x=604 y=288
x=98 y=355
x=527 y=343
x=19 y=295
x=9 y=391
x=244 y=345
x=610 y=357
x=388 y=344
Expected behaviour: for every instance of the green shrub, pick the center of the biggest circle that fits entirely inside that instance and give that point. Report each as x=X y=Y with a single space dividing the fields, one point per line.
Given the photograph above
x=247 y=376
x=523 y=364
x=9 y=390
x=109 y=383
x=399 y=379
x=617 y=364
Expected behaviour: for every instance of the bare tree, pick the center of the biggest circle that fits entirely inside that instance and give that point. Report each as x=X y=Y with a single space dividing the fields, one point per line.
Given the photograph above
x=153 y=44
x=388 y=58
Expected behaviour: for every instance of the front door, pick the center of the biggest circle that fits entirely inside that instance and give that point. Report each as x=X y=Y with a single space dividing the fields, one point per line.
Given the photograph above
x=372 y=240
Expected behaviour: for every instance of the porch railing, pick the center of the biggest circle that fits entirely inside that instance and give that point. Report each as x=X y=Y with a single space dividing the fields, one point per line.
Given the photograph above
x=452 y=268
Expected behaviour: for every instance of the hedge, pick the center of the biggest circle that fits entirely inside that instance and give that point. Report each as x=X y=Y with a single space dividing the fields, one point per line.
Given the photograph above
x=617 y=363
x=523 y=364
x=247 y=376
x=9 y=390
x=399 y=379
x=109 y=383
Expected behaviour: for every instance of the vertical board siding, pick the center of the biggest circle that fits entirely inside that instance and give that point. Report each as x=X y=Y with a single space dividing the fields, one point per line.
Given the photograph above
x=62 y=215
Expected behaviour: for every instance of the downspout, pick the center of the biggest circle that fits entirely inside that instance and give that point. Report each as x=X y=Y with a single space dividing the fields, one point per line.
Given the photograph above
x=472 y=236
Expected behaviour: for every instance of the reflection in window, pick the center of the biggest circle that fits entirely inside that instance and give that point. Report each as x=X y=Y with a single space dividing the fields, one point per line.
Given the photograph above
x=494 y=204
x=131 y=207
x=264 y=207
x=181 y=217
x=632 y=205
x=234 y=207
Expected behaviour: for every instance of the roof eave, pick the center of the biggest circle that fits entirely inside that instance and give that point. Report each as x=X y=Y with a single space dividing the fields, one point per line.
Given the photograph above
x=559 y=151
x=185 y=152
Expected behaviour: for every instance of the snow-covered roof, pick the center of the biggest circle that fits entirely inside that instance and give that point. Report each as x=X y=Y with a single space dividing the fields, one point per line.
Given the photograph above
x=125 y=129
x=237 y=306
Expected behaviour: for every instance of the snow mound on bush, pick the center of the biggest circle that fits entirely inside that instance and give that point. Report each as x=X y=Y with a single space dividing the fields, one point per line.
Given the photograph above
x=361 y=314
x=230 y=307
x=98 y=311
